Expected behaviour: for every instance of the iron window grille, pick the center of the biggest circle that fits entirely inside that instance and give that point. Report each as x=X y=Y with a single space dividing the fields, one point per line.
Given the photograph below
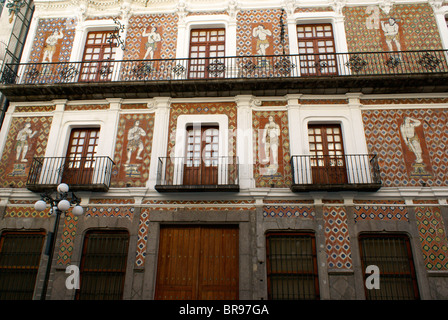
x=392 y=254
x=20 y=253
x=103 y=265
x=292 y=266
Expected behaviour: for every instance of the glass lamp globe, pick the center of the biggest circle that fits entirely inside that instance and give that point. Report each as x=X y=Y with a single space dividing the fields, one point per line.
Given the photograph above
x=40 y=205
x=64 y=205
x=77 y=210
x=63 y=188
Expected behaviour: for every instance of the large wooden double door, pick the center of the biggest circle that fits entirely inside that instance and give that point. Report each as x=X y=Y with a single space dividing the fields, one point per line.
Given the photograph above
x=198 y=263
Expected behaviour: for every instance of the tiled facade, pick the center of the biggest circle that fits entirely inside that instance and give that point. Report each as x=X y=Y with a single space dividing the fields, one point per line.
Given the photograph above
x=411 y=200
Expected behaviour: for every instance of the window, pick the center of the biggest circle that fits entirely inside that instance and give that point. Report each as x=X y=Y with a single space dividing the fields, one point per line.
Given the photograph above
x=316 y=49
x=327 y=154
x=99 y=53
x=80 y=158
x=103 y=265
x=19 y=263
x=292 y=266
x=201 y=163
x=392 y=255
x=206 y=47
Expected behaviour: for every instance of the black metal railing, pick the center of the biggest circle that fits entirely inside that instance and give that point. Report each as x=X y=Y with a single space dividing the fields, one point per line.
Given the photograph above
x=81 y=173
x=239 y=67
x=186 y=174
x=358 y=172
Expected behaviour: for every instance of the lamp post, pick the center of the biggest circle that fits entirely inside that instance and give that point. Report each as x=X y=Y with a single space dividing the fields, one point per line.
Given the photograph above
x=59 y=205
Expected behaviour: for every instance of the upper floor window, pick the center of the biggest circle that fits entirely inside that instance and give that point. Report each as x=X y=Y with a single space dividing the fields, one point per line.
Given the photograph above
x=206 y=47
x=317 y=49
x=99 y=52
x=19 y=263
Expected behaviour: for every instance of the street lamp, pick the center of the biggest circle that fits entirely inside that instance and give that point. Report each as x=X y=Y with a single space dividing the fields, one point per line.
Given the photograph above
x=59 y=205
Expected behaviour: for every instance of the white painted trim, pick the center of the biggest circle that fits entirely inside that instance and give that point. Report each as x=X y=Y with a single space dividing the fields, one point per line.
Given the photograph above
x=440 y=15
x=205 y=21
x=181 y=138
x=336 y=21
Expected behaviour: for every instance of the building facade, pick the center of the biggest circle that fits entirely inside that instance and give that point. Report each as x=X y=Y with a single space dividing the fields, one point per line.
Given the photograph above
x=229 y=150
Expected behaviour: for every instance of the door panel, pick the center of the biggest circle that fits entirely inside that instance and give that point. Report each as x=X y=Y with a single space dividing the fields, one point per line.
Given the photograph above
x=80 y=158
x=98 y=57
x=198 y=263
x=316 y=49
x=327 y=154
x=205 y=44
x=201 y=163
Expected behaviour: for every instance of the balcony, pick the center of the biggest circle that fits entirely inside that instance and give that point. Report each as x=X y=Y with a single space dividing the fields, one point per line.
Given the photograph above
x=358 y=172
x=181 y=174
x=366 y=72
x=81 y=173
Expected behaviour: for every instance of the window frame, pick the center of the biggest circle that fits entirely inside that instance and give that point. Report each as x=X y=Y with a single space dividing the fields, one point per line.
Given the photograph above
x=314 y=39
x=22 y=269
x=304 y=234
x=98 y=271
x=412 y=268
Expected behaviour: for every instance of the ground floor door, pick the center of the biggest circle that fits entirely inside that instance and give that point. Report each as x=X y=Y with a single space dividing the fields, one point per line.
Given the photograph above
x=198 y=263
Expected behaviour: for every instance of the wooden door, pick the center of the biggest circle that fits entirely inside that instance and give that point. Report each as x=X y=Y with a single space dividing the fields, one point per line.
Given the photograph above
x=201 y=160
x=327 y=154
x=98 y=57
x=198 y=263
x=207 y=50
x=316 y=49
x=80 y=158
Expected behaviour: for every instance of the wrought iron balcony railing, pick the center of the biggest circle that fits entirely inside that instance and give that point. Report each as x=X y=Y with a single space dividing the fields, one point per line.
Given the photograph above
x=81 y=173
x=359 y=172
x=241 y=67
x=180 y=174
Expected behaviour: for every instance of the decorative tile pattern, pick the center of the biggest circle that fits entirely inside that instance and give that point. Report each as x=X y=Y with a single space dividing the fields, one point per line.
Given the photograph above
x=13 y=173
x=64 y=46
x=68 y=235
x=380 y=210
x=142 y=238
x=166 y=25
x=134 y=173
x=134 y=106
x=417 y=28
x=26 y=212
x=34 y=108
x=85 y=107
x=337 y=239
x=404 y=101
x=289 y=211
x=117 y=212
x=397 y=165
x=270 y=19
x=433 y=237
x=263 y=177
